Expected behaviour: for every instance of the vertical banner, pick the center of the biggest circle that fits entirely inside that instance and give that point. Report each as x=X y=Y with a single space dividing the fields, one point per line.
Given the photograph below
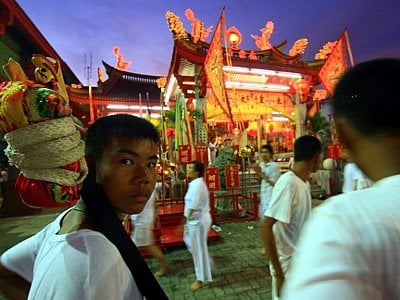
x=335 y=65
x=212 y=179
x=184 y=154
x=232 y=177
x=202 y=154
x=213 y=64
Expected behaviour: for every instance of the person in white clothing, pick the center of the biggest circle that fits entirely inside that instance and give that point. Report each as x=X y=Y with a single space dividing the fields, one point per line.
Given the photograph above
x=353 y=178
x=212 y=151
x=143 y=235
x=269 y=172
x=289 y=208
x=350 y=247
x=86 y=253
x=197 y=223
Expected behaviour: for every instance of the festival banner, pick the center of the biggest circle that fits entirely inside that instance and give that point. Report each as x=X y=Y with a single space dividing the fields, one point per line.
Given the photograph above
x=184 y=154
x=213 y=64
x=212 y=179
x=232 y=177
x=335 y=65
x=202 y=154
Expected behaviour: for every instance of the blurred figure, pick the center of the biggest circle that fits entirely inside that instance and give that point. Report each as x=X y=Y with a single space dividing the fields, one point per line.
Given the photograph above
x=143 y=236
x=353 y=178
x=212 y=151
x=269 y=172
x=350 y=248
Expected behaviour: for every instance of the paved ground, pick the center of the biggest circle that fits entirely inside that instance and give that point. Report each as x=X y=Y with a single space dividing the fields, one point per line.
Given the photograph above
x=239 y=271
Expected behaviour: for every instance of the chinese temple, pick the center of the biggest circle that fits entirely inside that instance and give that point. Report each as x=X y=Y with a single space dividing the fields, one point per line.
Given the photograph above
x=265 y=93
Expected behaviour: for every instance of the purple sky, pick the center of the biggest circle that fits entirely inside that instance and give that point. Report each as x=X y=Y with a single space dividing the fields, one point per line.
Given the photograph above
x=78 y=27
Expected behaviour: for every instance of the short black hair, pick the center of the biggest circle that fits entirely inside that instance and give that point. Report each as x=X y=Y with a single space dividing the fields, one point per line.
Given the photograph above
x=198 y=167
x=306 y=147
x=368 y=95
x=105 y=129
x=267 y=147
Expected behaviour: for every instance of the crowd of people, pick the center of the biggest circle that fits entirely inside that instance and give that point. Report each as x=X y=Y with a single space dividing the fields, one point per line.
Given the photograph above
x=346 y=248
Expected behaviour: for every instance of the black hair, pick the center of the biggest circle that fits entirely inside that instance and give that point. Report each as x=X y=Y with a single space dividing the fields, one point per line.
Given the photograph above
x=368 y=95
x=100 y=211
x=104 y=130
x=306 y=147
x=268 y=147
x=198 y=167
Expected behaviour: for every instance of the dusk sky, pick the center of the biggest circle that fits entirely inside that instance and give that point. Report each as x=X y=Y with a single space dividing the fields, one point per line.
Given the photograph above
x=78 y=27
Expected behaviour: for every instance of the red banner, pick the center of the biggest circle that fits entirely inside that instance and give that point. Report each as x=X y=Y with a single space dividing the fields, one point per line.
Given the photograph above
x=232 y=177
x=213 y=64
x=184 y=155
x=212 y=179
x=202 y=154
x=334 y=66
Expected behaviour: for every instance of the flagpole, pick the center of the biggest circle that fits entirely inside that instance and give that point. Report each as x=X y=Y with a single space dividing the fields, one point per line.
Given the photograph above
x=349 y=48
x=140 y=105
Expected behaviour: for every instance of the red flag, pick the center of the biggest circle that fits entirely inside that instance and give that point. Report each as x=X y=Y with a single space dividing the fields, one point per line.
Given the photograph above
x=335 y=65
x=213 y=64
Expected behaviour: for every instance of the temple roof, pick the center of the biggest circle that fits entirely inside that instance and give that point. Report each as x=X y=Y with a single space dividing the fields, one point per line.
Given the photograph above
x=188 y=61
x=121 y=87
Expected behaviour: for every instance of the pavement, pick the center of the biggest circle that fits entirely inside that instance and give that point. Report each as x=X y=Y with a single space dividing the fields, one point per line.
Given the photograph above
x=239 y=272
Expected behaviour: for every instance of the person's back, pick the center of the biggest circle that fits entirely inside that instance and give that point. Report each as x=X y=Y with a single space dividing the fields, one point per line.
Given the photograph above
x=350 y=248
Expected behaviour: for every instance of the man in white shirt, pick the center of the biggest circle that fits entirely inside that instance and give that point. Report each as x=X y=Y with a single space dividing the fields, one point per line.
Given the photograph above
x=289 y=208
x=350 y=247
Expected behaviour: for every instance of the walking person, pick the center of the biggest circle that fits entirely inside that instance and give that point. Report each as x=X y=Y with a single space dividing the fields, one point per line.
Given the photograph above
x=143 y=235
x=289 y=208
x=269 y=172
x=197 y=223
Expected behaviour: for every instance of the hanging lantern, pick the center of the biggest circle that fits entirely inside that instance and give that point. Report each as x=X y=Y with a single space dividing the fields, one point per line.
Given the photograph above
x=301 y=86
x=236 y=131
x=170 y=131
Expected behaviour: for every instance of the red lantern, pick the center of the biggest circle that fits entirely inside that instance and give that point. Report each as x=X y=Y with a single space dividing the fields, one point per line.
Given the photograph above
x=252 y=132
x=170 y=131
x=301 y=86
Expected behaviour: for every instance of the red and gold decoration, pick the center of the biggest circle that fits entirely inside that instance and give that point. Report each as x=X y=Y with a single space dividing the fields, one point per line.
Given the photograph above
x=232 y=177
x=213 y=64
x=202 y=153
x=212 y=179
x=42 y=138
x=176 y=25
x=234 y=37
x=184 y=154
x=299 y=47
x=199 y=33
x=334 y=66
x=262 y=42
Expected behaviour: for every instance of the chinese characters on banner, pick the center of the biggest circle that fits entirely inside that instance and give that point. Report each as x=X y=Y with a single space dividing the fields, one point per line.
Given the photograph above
x=232 y=177
x=334 y=66
x=184 y=154
x=202 y=154
x=212 y=179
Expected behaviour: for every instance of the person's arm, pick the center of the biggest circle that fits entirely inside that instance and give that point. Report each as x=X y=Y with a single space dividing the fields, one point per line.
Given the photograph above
x=270 y=248
x=12 y=285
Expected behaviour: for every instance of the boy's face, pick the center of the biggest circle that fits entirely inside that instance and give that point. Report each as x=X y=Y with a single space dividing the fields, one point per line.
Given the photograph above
x=127 y=173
